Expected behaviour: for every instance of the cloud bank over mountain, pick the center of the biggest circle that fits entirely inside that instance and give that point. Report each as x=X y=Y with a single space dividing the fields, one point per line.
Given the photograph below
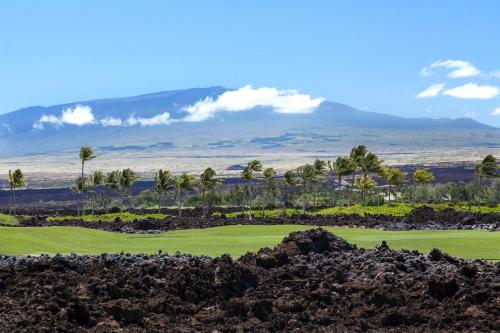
x=243 y=99
x=248 y=98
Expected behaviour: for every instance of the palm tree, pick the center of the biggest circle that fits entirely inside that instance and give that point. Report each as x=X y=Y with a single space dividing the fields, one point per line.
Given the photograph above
x=247 y=175
x=394 y=177
x=365 y=184
x=269 y=175
x=421 y=177
x=369 y=164
x=16 y=180
x=207 y=182
x=319 y=172
x=86 y=154
x=184 y=183
x=77 y=188
x=95 y=179
x=289 y=180
x=164 y=181
x=121 y=181
x=342 y=167
x=488 y=168
x=307 y=176
x=357 y=153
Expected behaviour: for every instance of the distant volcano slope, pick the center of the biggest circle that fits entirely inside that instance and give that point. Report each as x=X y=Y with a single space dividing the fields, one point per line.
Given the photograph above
x=200 y=118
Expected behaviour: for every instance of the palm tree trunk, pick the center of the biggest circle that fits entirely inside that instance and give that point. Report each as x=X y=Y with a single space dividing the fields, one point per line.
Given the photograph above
x=389 y=193
x=249 y=204
x=14 y=199
x=179 y=194
x=92 y=200
x=159 y=202
x=479 y=192
x=243 y=199
x=304 y=199
x=339 y=189
x=285 y=199
x=203 y=202
x=352 y=189
x=81 y=194
x=10 y=201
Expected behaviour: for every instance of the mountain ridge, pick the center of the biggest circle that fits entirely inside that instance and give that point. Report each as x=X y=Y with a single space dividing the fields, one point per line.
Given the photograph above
x=17 y=133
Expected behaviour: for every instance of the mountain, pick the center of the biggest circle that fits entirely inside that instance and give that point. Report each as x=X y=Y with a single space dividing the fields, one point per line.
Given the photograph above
x=331 y=124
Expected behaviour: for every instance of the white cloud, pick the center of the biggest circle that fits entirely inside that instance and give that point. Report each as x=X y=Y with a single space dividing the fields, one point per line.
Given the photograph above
x=111 y=121
x=495 y=74
x=470 y=114
x=82 y=115
x=247 y=98
x=472 y=91
x=160 y=119
x=496 y=112
x=460 y=68
x=50 y=119
x=432 y=91
x=79 y=115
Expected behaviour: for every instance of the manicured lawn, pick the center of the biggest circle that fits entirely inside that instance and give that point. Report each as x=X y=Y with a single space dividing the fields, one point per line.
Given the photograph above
x=235 y=240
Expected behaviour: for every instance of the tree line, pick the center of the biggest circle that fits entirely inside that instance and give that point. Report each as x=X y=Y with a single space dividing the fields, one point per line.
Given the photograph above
x=353 y=179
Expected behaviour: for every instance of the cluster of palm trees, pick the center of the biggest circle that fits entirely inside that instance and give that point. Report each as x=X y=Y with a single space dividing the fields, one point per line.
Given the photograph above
x=360 y=166
x=119 y=180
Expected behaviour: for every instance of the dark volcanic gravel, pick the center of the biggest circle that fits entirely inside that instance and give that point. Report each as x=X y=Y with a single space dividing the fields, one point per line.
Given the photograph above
x=311 y=282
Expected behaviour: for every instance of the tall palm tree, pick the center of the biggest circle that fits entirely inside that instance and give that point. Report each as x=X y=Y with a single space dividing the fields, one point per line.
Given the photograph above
x=16 y=180
x=394 y=177
x=488 y=168
x=77 y=188
x=307 y=176
x=164 y=181
x=365 y=184
x=121 y=181
x=207 y=182
x=289 y=180
x=319 y=172
x=247 y=175
x=421 y=177
x=269 y=175
x=369 y=164
x=86 y=154
x=95 y=179
x=184 y=183
x=357 y=153
x=343 y=166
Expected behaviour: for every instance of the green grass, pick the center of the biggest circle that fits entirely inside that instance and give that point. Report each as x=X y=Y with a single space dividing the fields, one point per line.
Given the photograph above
x=110 y=217
x=7 y=219
x=393 y=210
x=235 y=240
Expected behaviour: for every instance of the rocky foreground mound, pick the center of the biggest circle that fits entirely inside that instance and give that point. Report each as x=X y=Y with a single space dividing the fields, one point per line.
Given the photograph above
x=313 y=281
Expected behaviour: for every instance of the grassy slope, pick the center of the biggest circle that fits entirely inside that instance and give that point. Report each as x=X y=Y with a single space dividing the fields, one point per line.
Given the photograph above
x=235 y=240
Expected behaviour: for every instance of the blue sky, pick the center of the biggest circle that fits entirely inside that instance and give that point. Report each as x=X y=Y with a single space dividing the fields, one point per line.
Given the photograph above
x=368 y=54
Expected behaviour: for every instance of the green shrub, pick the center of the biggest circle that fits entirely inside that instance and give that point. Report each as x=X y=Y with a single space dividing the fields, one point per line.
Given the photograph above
x=110 y=217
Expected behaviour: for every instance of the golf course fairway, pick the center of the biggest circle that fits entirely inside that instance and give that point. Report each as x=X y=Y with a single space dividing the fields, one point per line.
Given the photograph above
x=235 y=240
